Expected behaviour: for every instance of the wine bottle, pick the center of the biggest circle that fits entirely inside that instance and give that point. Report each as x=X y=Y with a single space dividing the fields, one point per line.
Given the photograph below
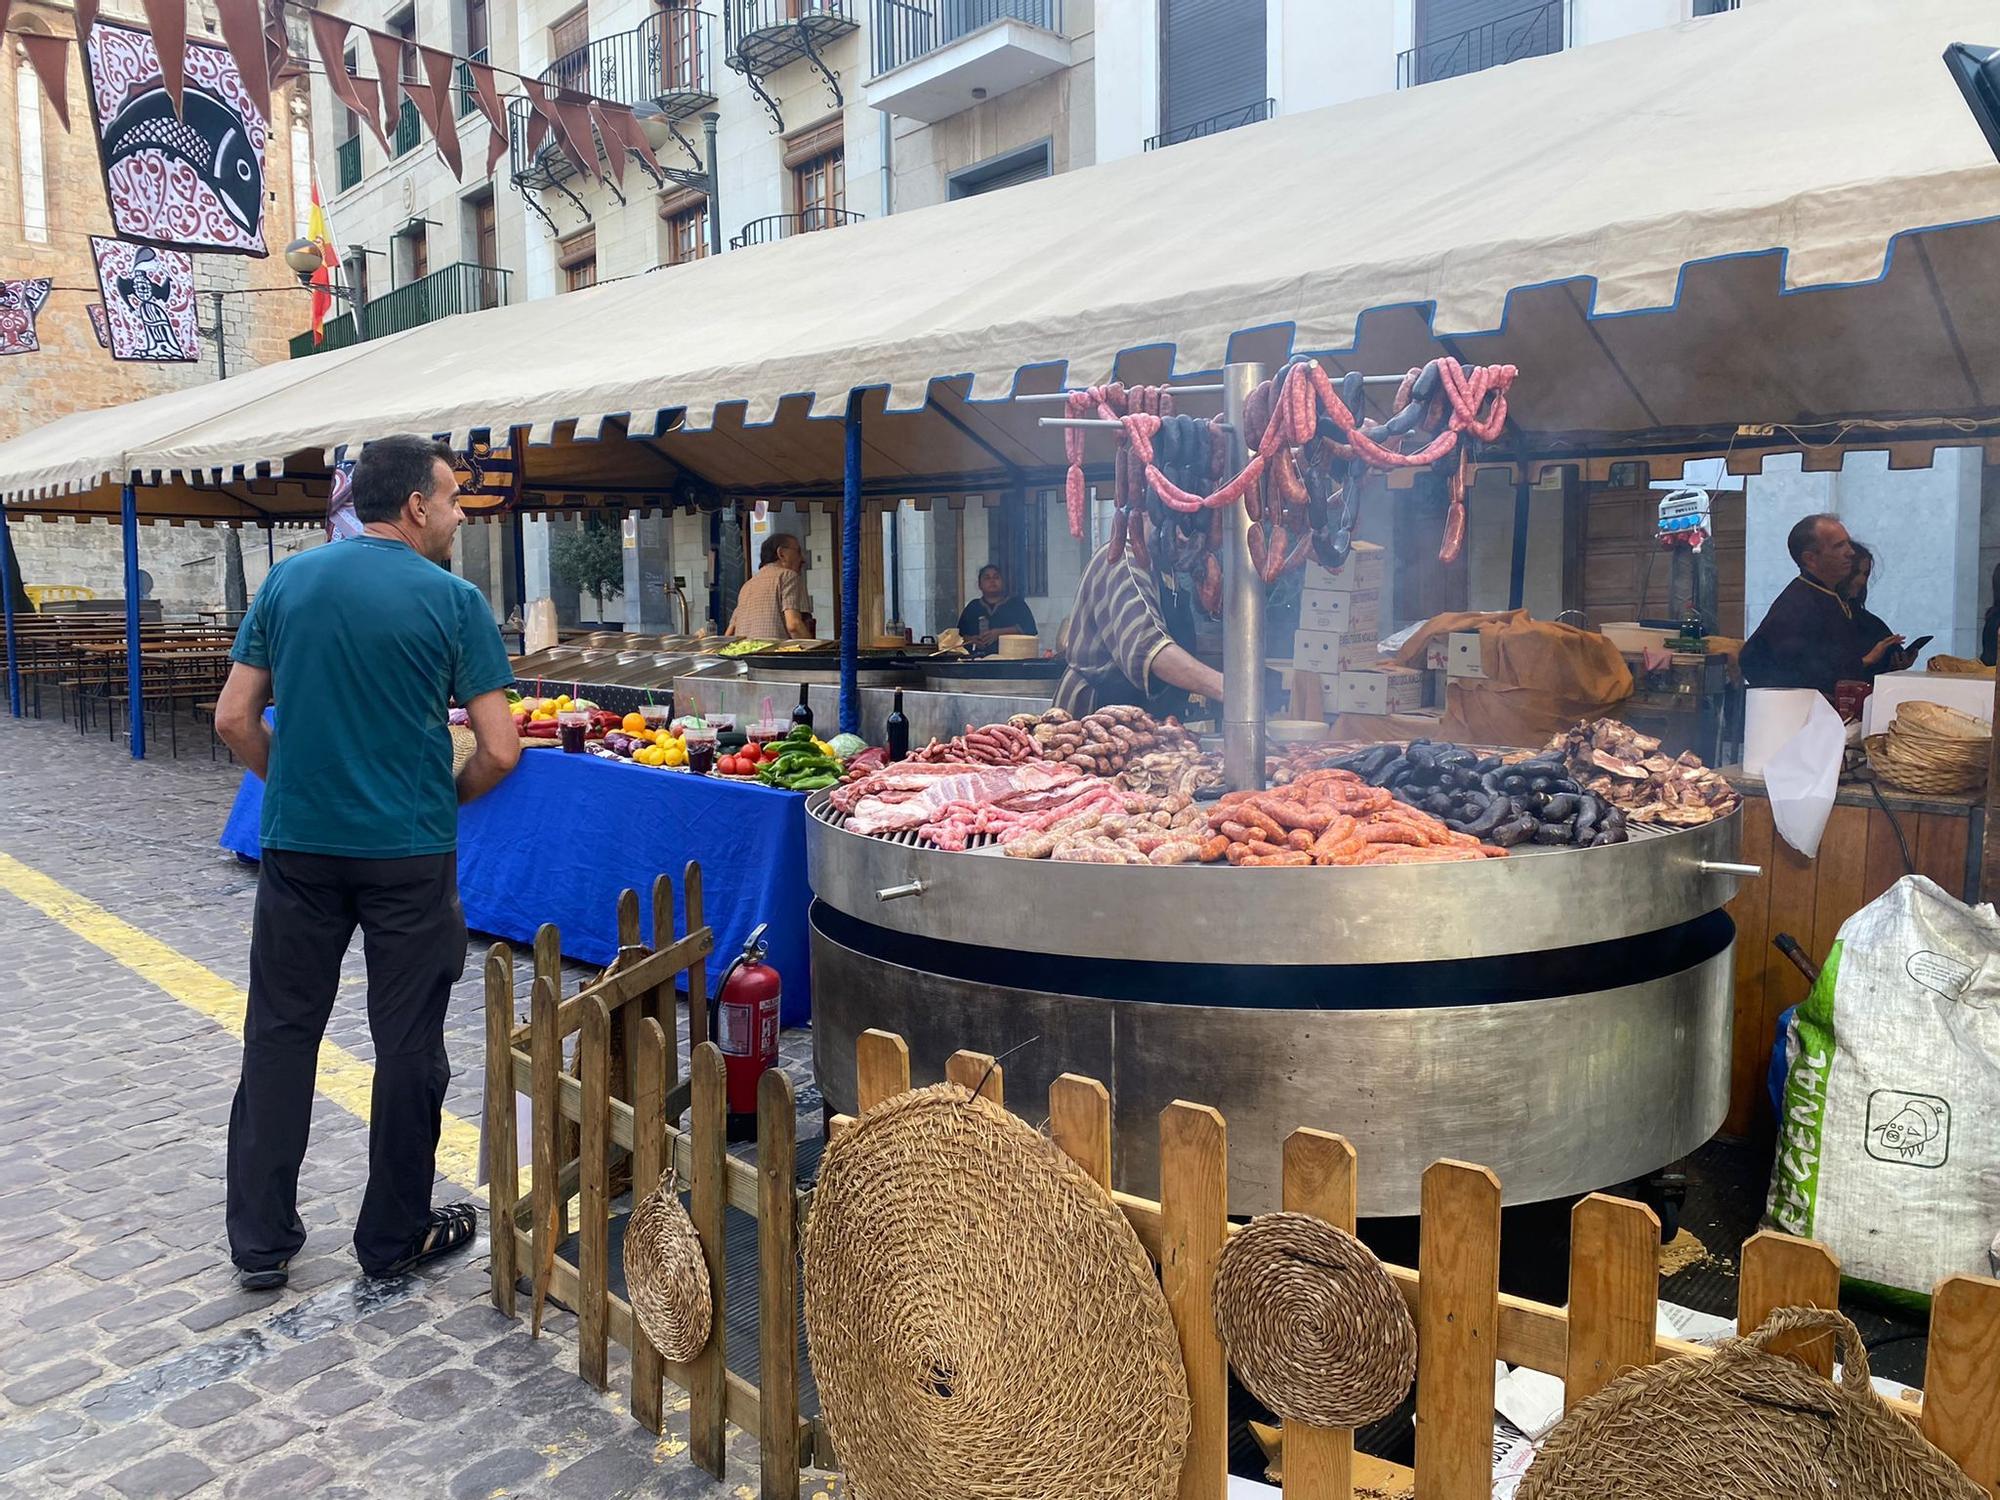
x=803 y=714
x=899 y=730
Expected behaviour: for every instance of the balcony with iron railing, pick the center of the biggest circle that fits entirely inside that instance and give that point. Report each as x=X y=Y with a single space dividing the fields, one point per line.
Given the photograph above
x=468 y=97
x=783 y=226
x=409 y=130
x=762 y=36
x=459 y=288
x=936 y=58
x=347 y=164
x=1534 y=32
x=663 y=63
x=1215 y=124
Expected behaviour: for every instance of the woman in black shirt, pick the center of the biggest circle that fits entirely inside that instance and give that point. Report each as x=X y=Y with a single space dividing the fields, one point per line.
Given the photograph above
x=1870 y=628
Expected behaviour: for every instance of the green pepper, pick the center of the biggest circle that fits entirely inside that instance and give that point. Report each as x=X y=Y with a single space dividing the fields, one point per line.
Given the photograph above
x=815 y=782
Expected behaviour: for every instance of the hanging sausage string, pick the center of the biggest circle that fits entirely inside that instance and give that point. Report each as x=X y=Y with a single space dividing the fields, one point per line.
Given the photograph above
x=1310 y=446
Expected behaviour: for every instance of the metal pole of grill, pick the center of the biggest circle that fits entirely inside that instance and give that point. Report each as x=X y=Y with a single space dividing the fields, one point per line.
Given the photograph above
x=1242 y=609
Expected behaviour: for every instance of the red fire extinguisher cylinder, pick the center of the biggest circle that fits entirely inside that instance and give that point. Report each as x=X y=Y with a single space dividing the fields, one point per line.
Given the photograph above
x=746 y=1030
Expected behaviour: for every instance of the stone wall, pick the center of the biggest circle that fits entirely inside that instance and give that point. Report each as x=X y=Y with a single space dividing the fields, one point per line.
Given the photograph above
x=71 y=373
x=184 y=563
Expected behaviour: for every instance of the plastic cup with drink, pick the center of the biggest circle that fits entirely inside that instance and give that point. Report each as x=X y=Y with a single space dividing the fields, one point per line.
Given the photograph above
x=572 y=726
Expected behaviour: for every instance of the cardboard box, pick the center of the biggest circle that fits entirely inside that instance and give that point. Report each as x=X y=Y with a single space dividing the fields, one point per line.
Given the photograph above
x=1362 y=573
x=1437 y=653
x=1342 y=614
x=1326 y=651
x=1969 y=695
x=1467 y=656
x=1435 y=683
x=1398 y=690
x=1628 y=635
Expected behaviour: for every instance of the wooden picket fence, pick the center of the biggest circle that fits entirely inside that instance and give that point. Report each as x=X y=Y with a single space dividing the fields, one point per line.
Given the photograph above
x=1464 y=1323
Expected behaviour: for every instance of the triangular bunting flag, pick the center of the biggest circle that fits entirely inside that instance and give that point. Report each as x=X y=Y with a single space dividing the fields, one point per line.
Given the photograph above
x=614 y=143
x=630 y=132
x=443 y=118
x=243 y=33
x=330 y=37
x=50 y=56
x=86 y=20
x=541 y=99
x=487 y=94
x=168 y=18
x=368 y=96
x=388 y=52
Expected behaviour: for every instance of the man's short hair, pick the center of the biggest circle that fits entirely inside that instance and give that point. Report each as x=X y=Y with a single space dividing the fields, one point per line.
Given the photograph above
x=1804 y=535
x=993 y=568
x=392 y=469
x=773 y=545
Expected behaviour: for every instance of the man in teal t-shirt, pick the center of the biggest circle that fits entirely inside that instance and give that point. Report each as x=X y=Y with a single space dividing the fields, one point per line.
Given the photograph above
x=363 y=644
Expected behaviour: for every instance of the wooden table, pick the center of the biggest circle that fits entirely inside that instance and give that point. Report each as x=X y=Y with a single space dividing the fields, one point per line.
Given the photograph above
x=1859 y=858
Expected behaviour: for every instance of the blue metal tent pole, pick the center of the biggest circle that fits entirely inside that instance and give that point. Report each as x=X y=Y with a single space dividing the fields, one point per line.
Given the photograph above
x=7 y=609
x=1517 y=569
x=850 y=575
x=128 y=514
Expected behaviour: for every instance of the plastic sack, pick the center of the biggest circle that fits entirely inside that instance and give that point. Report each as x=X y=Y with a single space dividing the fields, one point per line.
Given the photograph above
x=1889 y=1140
x=541 y=631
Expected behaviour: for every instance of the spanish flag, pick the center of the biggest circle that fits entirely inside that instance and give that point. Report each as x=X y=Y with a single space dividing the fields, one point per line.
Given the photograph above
x=322 y=281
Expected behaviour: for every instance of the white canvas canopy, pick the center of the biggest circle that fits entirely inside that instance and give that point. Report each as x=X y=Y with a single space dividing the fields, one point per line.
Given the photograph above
x=1779 y=215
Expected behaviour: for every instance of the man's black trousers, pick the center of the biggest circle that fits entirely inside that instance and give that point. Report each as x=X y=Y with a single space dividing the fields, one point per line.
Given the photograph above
x=413 y=936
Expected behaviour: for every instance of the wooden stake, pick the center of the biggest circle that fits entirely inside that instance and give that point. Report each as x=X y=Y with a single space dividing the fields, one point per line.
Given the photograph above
x=503 y=1160
x=1080 y=1123
x=1319 y=1180
x=881 y=1068
x=1961 y=1388
x=1614 y=1292
x=545 y=1105
x=1458 y=1324
x=593 y=1263
x=1781 y=1271
x=708 y=1200
x=697 y=975
x=649 y=1052
x=1194 y=1208
x=976 y=1073
x=778 y=1288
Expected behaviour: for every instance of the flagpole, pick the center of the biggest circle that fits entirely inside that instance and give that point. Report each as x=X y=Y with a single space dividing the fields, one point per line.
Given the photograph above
x=333 y=266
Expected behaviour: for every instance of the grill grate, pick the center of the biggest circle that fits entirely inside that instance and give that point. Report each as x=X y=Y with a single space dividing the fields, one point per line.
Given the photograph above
x=823 y=809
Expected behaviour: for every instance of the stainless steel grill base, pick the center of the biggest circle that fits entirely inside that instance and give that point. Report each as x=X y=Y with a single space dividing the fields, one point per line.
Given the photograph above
x=1558 y=1095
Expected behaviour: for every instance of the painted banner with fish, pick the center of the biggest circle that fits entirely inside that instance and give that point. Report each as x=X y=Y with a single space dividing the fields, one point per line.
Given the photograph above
x=20 y=301
x=148 y=301
x=192 y=181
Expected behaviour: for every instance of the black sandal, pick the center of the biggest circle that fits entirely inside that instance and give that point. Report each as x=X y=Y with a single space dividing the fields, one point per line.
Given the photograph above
x=452 y=1227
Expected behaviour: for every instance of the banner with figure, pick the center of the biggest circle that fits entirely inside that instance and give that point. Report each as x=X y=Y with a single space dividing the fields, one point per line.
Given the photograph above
x=187 y=180
x=148 y=300
x=20 y=301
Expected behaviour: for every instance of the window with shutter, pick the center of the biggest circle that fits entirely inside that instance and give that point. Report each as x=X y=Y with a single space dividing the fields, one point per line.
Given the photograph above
x=569 y=51
x=1211 y=61
x=1456 y=37
x=1002 y=172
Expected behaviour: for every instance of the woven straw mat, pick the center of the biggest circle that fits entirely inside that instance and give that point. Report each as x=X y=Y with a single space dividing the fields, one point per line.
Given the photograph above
x=667 y=1275
x=984 y=1324
x=1746 y=1425
x=462 y=746
x=1315 y=1328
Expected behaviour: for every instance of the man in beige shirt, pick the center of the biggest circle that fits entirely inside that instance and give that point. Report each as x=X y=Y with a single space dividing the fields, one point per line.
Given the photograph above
x=771 y=606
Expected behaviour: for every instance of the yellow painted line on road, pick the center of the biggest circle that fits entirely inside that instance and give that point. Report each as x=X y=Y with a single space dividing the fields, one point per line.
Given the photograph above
x=344 y=1078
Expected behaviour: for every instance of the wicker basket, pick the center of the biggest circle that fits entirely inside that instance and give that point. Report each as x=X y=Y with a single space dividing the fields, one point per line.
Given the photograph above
x=1935 y=721
x=667 y=1276
x=1958 y=666
x=1898 y=764
x=984 y=1323
x=1746 y=1425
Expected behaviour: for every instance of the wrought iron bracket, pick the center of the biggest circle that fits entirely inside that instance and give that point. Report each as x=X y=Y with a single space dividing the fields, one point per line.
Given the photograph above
x=688 y=146
x=534 y=205
x=819 y=66
x=764 y=98
x=612 y=183
x=580 y=208
x=659 y=177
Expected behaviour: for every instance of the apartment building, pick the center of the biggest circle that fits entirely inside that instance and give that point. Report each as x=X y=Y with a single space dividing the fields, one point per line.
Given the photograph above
x=823 y=112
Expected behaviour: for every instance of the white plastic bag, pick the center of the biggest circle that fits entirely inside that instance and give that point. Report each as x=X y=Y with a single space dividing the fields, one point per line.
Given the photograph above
x=541 y=625
x=1889 y=1149
x=1801 y=776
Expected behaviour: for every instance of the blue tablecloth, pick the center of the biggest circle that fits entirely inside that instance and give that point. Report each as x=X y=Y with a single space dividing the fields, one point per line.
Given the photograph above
x=561 y=837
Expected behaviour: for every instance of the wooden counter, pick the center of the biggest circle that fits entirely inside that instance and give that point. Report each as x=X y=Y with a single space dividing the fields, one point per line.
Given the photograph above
x=1859 y=858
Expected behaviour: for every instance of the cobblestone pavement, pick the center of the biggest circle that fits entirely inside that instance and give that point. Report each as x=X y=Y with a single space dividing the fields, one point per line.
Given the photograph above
x=130 y=1365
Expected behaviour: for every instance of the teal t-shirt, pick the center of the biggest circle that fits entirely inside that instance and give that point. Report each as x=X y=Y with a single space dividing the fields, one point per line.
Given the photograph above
x=367 y=643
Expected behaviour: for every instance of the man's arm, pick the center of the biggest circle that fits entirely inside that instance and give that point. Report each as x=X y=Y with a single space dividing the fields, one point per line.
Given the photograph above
x=795 y=625
x=1190 y=674
x=496 y=749
x=239 y=716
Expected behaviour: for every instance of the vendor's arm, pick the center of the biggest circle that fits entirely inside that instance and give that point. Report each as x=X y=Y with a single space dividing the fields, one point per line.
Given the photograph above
x=1188 y=673
x=1881 y=650
x=496 y=745
x=239 y=716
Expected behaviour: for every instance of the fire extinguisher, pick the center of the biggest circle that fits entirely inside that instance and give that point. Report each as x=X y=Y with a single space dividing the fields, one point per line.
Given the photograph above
x=746 y=1030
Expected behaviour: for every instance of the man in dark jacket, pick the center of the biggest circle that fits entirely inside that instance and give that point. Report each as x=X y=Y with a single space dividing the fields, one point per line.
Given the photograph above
x=1807 y=639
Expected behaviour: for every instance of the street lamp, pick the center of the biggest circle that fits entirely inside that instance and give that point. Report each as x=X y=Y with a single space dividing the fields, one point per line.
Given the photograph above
x=1976 y=70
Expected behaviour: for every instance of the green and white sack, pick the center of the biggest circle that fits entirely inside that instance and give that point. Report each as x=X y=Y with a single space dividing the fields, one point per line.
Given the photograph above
x=1889 y=1149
